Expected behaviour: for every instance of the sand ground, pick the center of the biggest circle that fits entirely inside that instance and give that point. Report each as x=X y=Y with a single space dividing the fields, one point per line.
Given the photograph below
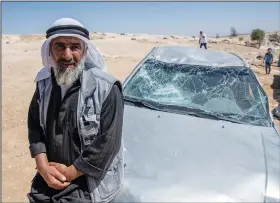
x=20 y=63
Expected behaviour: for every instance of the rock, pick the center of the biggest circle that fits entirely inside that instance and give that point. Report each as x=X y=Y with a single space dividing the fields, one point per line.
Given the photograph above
x=133 y=38
x=259 y=57
x=123 y=34
x=165 y=38
x=226 y=41
x=212 y=41
x=247 y=43
x=7 y=42
x=251 y=44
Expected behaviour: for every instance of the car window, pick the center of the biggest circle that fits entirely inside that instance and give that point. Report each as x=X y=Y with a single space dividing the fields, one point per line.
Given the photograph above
x=230 y=92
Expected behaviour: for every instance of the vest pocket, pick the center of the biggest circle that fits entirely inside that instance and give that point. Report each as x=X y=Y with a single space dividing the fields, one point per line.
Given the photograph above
x=111 y=183
x=89 y=122
x=89 y=129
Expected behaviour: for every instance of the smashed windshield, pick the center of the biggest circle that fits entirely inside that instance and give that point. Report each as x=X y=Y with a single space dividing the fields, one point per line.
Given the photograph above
x=228 y=92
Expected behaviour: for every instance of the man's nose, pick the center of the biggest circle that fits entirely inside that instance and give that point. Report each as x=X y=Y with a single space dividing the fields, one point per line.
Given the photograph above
x=68 y=54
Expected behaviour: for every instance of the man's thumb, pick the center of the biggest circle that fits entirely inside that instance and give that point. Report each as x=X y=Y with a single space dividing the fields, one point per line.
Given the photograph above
x=58 y=175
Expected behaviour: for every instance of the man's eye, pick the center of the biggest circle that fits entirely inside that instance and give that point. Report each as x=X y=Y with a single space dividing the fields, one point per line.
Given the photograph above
x=75 y=47
x=59 y=47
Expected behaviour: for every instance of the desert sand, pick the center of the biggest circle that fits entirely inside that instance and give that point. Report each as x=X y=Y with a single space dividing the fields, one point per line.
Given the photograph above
x=21 y=59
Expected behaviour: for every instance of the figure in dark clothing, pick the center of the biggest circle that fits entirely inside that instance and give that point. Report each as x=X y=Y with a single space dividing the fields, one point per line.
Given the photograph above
x=75 y=121
x=268 y=58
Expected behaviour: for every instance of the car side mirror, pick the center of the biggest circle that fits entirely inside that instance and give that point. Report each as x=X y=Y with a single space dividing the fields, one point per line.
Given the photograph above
x=276 y=113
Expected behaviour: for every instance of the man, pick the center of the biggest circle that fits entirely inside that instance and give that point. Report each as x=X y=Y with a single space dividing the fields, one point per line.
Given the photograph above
x=202 y=40
x=268 y=58
x=75 y=121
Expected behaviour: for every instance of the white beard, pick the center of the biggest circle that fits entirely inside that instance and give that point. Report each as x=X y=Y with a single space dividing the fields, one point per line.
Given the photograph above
x=66 y=77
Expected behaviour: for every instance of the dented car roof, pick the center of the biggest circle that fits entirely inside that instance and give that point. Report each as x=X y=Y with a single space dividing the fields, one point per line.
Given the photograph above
x=195 y=56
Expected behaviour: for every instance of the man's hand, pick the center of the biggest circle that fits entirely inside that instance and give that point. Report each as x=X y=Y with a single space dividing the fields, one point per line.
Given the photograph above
x=71 y=173
x=50 y=174
x=53 y=177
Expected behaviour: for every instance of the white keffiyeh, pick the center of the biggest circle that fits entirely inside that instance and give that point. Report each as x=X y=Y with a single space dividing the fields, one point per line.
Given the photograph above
x=93 y=56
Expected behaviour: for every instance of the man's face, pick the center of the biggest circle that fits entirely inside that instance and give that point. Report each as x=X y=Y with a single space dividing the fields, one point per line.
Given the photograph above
x=269 y=50
x=67 y=52
x=68 y=59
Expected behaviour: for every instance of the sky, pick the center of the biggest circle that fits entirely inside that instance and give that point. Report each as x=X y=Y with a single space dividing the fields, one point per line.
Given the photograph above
x=160 y=18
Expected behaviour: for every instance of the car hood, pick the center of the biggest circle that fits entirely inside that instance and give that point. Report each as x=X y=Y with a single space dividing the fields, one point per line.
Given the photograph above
x=178 y=158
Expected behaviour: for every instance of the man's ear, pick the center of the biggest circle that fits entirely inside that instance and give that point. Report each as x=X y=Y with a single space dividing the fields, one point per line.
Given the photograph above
x=50 y=48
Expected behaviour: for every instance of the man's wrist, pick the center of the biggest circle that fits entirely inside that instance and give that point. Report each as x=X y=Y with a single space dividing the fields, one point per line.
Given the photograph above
x=74 y=172
x=41 y=161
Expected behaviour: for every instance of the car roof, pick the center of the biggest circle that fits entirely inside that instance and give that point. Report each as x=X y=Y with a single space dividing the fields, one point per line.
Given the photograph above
x=195 y=56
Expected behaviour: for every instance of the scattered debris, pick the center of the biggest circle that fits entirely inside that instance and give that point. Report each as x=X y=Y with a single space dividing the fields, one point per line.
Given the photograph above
x=274 y=37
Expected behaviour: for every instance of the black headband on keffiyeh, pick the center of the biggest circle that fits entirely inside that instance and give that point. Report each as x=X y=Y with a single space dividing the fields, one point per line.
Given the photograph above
x=65 y=29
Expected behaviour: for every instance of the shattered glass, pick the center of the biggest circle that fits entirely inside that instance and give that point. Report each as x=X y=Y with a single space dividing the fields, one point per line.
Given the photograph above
x=226 y=93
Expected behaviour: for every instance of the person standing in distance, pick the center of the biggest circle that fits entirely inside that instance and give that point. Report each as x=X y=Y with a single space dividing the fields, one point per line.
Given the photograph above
x=268 y=58
x=202 y=40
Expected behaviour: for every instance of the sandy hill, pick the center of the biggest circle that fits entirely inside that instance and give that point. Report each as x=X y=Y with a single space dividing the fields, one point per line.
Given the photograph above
x=21 y=60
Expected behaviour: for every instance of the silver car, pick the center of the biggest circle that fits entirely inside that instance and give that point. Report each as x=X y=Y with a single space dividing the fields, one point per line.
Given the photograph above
x=197 y=128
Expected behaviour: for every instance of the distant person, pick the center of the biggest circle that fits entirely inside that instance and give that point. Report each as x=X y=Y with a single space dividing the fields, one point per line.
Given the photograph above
x=268 y=58
x=202 y=40
x=278 y=60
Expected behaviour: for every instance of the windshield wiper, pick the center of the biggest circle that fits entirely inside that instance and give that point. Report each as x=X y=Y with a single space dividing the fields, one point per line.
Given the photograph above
x=142 y=103
x=192 y=112
x=206 y=114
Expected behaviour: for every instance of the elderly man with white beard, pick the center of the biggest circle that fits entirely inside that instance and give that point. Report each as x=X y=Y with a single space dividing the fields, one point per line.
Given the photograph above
x=75 y=121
